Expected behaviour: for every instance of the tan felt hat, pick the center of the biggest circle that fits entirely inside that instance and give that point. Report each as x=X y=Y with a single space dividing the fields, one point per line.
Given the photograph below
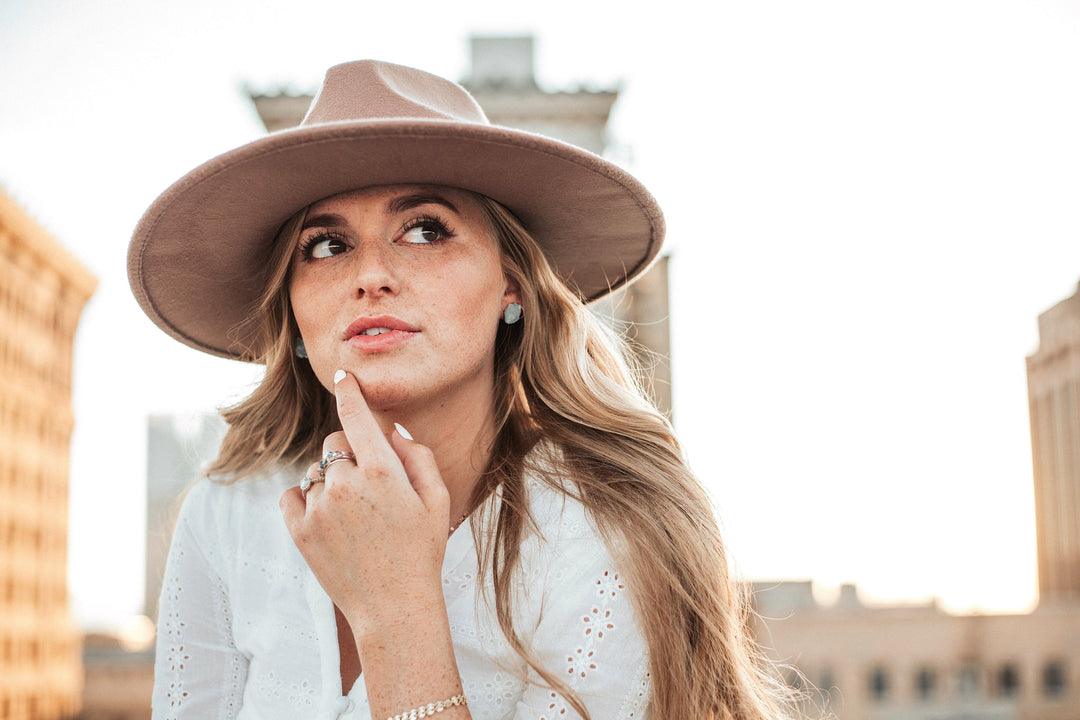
x=196 y=257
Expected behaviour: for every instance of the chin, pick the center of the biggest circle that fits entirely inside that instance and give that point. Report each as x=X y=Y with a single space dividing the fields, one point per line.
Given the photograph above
x=382 y=393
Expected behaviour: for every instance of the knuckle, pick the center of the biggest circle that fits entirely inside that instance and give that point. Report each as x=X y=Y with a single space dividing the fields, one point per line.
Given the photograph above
x=313 y=517
x=333 y=440
x=338 y=493
x=333 y=492
x=379 y=473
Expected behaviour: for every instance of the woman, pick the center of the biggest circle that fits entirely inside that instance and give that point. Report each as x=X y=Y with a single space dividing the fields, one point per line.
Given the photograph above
x=448 y=494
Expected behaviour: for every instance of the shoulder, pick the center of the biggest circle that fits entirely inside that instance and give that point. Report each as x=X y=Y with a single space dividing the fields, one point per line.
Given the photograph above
x=579 y=615
x=211 y=509
x=566 y=543
x=560 y=517
x=558 y=514
x=213 y=496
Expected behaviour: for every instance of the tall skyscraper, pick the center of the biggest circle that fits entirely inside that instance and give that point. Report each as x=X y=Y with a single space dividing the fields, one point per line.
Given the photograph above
x=1054 y=403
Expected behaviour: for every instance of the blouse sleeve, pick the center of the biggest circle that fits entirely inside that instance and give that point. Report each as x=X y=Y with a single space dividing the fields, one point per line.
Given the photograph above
x=588 y=636
x=198 y=672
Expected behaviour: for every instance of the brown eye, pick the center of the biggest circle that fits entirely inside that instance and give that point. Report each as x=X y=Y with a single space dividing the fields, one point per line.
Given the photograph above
x=324 y=247
x=425 y=232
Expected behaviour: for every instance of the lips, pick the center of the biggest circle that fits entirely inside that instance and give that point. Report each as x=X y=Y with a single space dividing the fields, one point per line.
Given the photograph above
x=378 y=334
x=375 y=326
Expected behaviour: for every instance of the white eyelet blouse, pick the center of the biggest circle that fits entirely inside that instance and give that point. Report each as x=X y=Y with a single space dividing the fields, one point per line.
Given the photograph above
x=246 y=631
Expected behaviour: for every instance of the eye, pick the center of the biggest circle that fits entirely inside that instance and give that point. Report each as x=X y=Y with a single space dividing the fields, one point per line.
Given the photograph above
x=424 y=230
x=323 y=245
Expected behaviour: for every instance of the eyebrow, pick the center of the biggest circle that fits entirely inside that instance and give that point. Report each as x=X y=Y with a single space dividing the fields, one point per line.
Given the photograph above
x=324 y=220
x=395 y=206
x=408 y=202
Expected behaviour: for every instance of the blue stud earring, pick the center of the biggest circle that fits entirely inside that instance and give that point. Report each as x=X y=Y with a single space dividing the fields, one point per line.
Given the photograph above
x=512 y=313
x=299 y=349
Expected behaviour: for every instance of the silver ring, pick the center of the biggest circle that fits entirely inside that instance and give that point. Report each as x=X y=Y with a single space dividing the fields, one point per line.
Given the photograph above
x=332 y=457
x=306 y=483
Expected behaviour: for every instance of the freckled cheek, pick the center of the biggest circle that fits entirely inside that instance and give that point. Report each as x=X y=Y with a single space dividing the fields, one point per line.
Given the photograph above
x=309 y=311
x=301 y=305
x=474 y=311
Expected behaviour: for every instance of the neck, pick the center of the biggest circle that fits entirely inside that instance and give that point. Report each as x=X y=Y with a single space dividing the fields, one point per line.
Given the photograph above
x=459 y=433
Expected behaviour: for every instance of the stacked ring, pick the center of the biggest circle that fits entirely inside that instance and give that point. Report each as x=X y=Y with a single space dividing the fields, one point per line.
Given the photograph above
x=306 y=483
x=327 y=460
x=332 y=457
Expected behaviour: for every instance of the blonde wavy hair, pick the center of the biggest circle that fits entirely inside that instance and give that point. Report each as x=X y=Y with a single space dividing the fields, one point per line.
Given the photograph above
x=570 y=410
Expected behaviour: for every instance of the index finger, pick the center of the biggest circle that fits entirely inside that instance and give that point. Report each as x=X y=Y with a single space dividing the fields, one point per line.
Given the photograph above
x=363 y=433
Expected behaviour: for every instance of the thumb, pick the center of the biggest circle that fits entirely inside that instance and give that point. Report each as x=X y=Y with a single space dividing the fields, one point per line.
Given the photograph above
x=421 y=469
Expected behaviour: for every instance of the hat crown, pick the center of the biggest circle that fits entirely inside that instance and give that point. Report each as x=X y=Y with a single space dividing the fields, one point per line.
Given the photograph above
x=373 y=90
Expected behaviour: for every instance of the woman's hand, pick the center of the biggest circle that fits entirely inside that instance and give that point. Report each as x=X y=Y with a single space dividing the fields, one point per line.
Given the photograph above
x=375 y=532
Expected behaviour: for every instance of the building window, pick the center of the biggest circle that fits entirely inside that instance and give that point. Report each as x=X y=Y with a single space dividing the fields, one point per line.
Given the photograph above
x=1053 y=679
x=926 y=683
x=879 y=684
x=1008 y=681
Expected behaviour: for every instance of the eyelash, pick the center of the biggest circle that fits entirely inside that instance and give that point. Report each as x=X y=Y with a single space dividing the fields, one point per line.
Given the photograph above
x=307 y=246
x=440 y=226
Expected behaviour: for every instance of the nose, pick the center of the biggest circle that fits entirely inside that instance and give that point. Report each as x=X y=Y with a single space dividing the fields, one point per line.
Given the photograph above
x=374 y=270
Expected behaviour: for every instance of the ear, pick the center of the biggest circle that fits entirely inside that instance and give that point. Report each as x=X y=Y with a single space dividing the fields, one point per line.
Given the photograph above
x=511 y=294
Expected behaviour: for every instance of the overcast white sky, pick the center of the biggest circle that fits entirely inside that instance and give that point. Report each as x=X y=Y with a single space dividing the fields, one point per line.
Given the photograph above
x=869 y=203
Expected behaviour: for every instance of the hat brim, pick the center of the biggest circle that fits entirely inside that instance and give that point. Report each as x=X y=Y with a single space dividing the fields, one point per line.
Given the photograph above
x=194 y=258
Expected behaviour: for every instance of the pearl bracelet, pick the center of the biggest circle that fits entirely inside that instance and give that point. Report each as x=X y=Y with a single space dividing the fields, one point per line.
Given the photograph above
x=431 y=708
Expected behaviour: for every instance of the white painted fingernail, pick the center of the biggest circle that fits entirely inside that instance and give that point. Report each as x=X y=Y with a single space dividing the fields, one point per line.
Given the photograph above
x=402 y=432
x=339 y=376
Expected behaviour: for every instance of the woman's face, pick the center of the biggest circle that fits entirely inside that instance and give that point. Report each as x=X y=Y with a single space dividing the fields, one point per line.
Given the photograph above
x=403 y=287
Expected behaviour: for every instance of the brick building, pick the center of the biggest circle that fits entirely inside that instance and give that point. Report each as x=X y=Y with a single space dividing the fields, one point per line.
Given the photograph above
x=42 y=292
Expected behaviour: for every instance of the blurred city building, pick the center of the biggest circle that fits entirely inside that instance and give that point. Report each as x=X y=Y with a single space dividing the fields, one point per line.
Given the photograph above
x=1054 y=405
x=503 y=81
x=856 y=661
x=917 y=662
x=43 y=290
x=120 y=666
x=178 y=448
x=119 y=673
